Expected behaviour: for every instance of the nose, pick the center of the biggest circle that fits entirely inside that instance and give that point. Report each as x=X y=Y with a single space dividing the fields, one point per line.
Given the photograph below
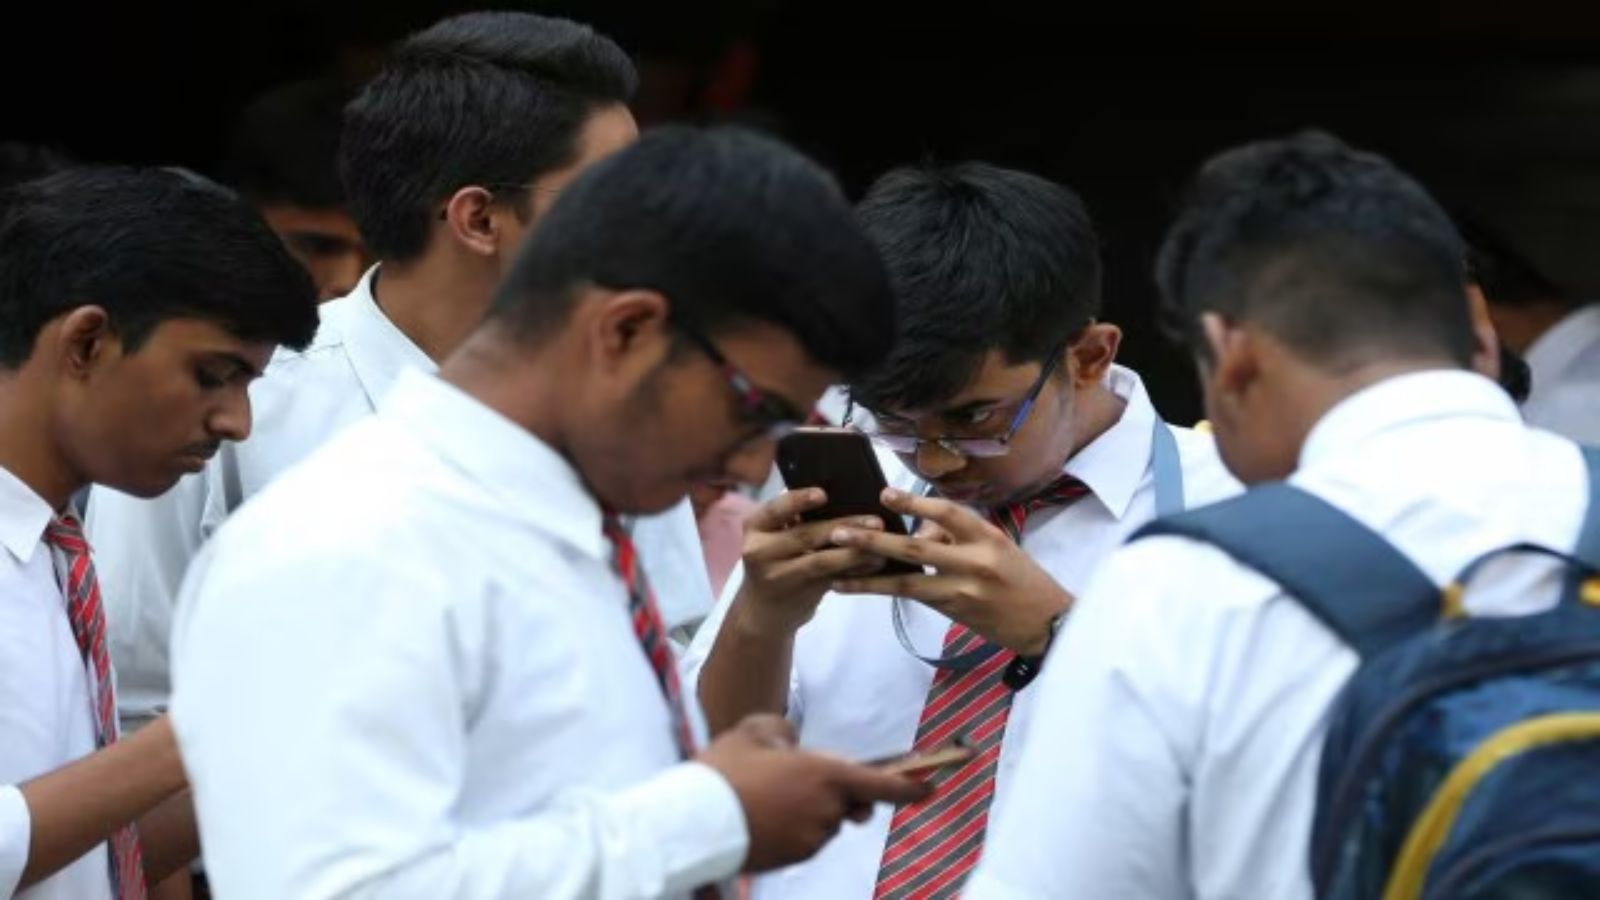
x=230 y=420
x=932 y=461
x=751 y=464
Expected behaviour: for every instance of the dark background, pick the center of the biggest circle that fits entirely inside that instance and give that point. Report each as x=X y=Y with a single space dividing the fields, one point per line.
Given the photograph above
x=1495 y=105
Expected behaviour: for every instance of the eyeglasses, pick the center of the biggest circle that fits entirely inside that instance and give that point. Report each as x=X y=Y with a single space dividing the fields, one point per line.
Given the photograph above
x=771 y=416
x=978 y=448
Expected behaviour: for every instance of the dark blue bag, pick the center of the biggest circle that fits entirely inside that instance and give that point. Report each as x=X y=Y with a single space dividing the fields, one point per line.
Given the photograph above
x=1463 y=757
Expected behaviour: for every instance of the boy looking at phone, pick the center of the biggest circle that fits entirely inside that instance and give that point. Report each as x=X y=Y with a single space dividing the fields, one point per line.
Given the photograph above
x=1028 y=455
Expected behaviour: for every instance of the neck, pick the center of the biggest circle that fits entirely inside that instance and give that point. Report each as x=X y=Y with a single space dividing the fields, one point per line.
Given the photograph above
x=434 y=301
x=27 y=445
x=1520 y=326
x=503 y=376
x=1099 y=408
x=1307 y=396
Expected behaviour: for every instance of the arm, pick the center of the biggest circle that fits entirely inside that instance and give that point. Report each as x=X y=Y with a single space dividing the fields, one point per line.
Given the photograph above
x=371 y=750
x=1097 y=804
x=788 y=567
x=79 y=805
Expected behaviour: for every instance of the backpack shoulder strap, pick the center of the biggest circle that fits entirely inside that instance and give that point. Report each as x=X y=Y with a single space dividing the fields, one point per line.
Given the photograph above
x=1355 y=582
x=1166 y=470
x=1588 y=549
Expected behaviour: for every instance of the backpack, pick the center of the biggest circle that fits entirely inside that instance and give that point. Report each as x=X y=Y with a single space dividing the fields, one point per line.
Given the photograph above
x=1462 y=759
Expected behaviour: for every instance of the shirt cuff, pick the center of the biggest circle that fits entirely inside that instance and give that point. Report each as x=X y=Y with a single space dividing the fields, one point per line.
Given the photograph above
x=697 y=824
x=16 y=832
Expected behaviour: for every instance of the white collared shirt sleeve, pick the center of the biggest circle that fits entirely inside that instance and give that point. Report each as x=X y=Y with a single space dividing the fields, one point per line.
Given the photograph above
x=16 y=830
x=1096 y=804
x=359 y=798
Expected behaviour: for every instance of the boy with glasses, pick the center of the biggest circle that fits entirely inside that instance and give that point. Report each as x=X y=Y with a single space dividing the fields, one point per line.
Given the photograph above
x=1027 y=454
x=483 y=703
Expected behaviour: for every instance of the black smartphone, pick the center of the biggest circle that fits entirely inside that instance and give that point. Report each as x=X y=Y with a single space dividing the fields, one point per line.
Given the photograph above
x=841 y=462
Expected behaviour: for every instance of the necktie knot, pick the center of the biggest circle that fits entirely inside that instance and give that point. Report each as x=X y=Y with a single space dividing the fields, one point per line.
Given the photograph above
x=66 y=532
x=1013 y=516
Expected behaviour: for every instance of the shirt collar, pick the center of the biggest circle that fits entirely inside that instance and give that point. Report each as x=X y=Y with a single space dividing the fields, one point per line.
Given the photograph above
x=1402 y=401
x=1556 y=349
x=379 y=351
x=1114 y=464
x=534 y=482
x=24 y=515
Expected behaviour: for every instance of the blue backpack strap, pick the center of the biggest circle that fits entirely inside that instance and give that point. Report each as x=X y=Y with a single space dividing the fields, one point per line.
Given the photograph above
x=1588 y=548
x=1355 y=582
x=1166 y=470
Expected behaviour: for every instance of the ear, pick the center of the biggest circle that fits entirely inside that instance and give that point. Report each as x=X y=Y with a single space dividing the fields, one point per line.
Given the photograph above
x=627 y=322
x=1091 y=356
x=81 y=340
x=1235 y=361
x=469 y=219
x=1486 y=349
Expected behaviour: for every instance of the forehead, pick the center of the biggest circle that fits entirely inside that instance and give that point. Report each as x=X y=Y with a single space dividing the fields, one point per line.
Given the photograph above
x=995 y=380
x=193 y=337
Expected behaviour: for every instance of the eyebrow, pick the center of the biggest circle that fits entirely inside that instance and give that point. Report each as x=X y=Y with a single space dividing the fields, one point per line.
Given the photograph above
x=970 y=406
x=238 y=361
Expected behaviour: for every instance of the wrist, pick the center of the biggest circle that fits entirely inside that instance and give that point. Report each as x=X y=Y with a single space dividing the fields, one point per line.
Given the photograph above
x=754 y=620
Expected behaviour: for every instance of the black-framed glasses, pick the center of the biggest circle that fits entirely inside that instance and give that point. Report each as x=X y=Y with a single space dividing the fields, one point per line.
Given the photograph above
x=771 y=415
x=979 y=448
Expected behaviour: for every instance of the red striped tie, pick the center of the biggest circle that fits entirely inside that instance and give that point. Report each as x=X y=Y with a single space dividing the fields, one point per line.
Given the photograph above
x=651 y=631
x=934 y=845
x=88 y=619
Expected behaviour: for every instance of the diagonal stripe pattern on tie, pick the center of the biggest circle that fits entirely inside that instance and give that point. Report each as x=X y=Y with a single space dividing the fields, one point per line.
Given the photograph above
x=651 y=632
x=934 y=845
x=87 y=615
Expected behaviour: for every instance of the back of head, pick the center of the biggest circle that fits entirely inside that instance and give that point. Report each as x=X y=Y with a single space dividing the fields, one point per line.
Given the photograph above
x=980 y=258
x=730 y=227
x=491 y=98
x=147 y=245
x=285 y=147
x=1335 y=252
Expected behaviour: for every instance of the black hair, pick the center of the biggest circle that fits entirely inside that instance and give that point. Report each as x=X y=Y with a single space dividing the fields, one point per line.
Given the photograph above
x=489 y=98
x=731 y=227
x=1335 y=251
x=980 y=258
x=147 y=245
x=1506 y=277
x=285 y=147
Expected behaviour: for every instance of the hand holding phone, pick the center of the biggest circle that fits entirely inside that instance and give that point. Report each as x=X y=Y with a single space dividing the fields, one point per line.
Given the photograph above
x=841 y=462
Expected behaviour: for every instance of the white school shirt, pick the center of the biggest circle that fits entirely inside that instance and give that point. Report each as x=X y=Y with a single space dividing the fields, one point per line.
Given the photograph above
x=1180 y=717
x=142 y=547
x=46 y=705
x=855 y=691
x=1564 y=364
x=468 y=712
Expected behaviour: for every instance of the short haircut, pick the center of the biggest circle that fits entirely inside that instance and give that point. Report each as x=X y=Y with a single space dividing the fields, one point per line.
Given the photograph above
x=980 y=258
x=285 y=147
x=147 y=245
x=731 y=227
x=1506 y=277
x=1334 y=251
x=491 y=99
